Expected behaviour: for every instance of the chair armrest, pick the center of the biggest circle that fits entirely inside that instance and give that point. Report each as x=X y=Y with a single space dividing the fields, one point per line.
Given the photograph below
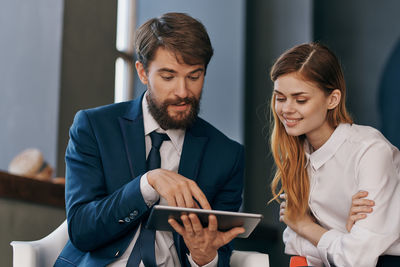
x=24 y=254
x=249 y=259
x=43 y=252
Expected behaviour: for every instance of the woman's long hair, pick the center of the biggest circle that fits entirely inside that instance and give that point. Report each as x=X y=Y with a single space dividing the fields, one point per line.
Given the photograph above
x=315 y=63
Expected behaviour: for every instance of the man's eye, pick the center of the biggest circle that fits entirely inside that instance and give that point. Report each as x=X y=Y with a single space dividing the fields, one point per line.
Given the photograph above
x=167 y=78
x=194 y=78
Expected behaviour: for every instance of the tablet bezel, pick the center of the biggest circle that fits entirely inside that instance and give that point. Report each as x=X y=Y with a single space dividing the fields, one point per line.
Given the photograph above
x=160 y=214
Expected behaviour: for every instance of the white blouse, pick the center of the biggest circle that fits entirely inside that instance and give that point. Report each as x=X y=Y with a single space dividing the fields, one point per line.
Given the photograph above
x=354 y=158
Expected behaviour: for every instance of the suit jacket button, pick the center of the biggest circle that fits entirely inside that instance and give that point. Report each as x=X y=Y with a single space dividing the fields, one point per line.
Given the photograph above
x=127 y=219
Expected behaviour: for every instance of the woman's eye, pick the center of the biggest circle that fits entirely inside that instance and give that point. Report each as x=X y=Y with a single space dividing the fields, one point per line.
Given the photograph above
x=280 y=99
x=301 y=101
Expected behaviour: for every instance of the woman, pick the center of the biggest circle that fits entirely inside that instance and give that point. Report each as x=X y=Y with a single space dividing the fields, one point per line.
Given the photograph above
x=323 y=159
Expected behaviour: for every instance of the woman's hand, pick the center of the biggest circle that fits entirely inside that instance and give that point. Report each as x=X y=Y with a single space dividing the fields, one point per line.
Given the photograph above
x=305 y=225
x=359 y=207
x=300 y=222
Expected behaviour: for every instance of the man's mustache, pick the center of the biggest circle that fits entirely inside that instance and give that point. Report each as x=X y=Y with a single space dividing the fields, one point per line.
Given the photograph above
x=180 y=100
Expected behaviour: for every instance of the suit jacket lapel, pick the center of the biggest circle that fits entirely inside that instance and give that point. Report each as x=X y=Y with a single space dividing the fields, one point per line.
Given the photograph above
x=133 y=134
x=192 y=153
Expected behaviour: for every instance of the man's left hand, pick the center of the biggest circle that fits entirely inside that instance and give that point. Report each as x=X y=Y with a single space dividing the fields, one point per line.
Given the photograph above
x=203 y=243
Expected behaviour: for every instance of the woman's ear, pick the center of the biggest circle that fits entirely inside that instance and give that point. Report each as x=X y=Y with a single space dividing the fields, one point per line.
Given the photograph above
x=334 y=99
x=141 y=72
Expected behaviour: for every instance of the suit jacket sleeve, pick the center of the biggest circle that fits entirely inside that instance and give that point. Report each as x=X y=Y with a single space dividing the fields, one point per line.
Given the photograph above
x=95 y=216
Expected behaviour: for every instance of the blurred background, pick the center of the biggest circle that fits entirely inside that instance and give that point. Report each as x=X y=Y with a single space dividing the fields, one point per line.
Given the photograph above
x=57 y=57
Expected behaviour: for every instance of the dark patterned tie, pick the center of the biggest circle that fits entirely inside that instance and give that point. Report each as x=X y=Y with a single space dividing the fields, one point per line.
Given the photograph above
x=154 y=158
x=144 y=247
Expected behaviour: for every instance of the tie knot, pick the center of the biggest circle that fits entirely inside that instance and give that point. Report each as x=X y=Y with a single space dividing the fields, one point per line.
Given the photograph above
x=157 y=139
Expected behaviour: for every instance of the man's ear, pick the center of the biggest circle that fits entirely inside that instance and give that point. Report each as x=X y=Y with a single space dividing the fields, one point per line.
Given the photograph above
x=334 y=99
x=141 y=72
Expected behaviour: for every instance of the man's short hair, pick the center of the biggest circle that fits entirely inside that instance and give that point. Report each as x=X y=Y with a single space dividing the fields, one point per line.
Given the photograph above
x=179 y=33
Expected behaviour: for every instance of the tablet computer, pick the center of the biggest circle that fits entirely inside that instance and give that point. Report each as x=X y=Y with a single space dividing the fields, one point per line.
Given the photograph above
x=159 y=216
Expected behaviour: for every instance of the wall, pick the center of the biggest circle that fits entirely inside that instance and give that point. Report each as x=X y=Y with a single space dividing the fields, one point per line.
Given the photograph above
x=272 y=27
x=362 y=33
x=222 y=101
x=88 y=63
x=30 y=49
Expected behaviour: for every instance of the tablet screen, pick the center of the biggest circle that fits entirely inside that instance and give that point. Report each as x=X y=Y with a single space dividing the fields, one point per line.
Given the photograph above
x=159 y=216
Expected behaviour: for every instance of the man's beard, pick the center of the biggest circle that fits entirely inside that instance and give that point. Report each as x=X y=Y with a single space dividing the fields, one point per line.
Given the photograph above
x=181 y=120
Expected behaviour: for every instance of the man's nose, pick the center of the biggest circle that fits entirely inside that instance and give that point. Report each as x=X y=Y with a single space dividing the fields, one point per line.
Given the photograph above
x=181 y=89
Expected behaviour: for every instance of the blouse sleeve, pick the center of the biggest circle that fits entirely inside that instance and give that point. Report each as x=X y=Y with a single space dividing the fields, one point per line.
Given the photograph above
x=297 y=245
x=370 y=237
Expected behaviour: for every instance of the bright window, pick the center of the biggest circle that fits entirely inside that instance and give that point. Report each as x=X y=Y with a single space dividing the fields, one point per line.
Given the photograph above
x=126 y=18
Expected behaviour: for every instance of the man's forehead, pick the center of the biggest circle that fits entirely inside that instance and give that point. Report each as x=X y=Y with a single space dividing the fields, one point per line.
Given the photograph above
x=167 y=59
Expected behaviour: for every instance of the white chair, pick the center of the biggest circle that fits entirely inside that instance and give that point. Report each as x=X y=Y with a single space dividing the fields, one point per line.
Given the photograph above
x=44 y=252
x=249 y=258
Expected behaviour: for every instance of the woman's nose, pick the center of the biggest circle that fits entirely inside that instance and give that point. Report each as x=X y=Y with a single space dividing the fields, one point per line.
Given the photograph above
x=287 y=107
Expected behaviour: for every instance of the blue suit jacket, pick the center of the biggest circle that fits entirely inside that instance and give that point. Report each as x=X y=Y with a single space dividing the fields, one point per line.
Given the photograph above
x=105 y=159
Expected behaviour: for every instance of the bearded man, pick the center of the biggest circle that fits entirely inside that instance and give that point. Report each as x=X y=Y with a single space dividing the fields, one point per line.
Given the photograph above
x=124 y=158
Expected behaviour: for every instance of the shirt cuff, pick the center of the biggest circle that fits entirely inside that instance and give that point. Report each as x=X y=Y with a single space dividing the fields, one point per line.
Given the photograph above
x=324 y=243
x=150 y=195
x=212 y=263
x=297 y=245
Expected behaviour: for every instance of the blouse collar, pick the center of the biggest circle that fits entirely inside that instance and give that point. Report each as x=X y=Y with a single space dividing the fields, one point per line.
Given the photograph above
x=320 y=156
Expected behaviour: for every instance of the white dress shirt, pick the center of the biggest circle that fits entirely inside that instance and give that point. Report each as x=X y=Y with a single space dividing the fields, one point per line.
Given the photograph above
x=170 y=151
x=354 y=158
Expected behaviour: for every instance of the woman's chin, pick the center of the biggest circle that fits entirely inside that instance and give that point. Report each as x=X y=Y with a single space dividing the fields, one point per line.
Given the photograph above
x=293 y=132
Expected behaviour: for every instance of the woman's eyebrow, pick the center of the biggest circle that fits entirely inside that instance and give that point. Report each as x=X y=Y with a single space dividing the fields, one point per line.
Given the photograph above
x=293 y=94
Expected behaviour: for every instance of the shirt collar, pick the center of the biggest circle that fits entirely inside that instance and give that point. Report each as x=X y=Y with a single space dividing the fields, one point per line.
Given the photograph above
x=327 y=151
x=177 y=136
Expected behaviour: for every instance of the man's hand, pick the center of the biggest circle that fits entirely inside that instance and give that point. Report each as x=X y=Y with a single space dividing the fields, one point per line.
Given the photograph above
x=203 y=243
x=176 y=189
x=359 y=207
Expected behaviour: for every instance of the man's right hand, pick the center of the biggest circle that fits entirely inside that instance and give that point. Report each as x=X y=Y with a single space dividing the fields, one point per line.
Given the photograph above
x=203 y=242
x=177 y=189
